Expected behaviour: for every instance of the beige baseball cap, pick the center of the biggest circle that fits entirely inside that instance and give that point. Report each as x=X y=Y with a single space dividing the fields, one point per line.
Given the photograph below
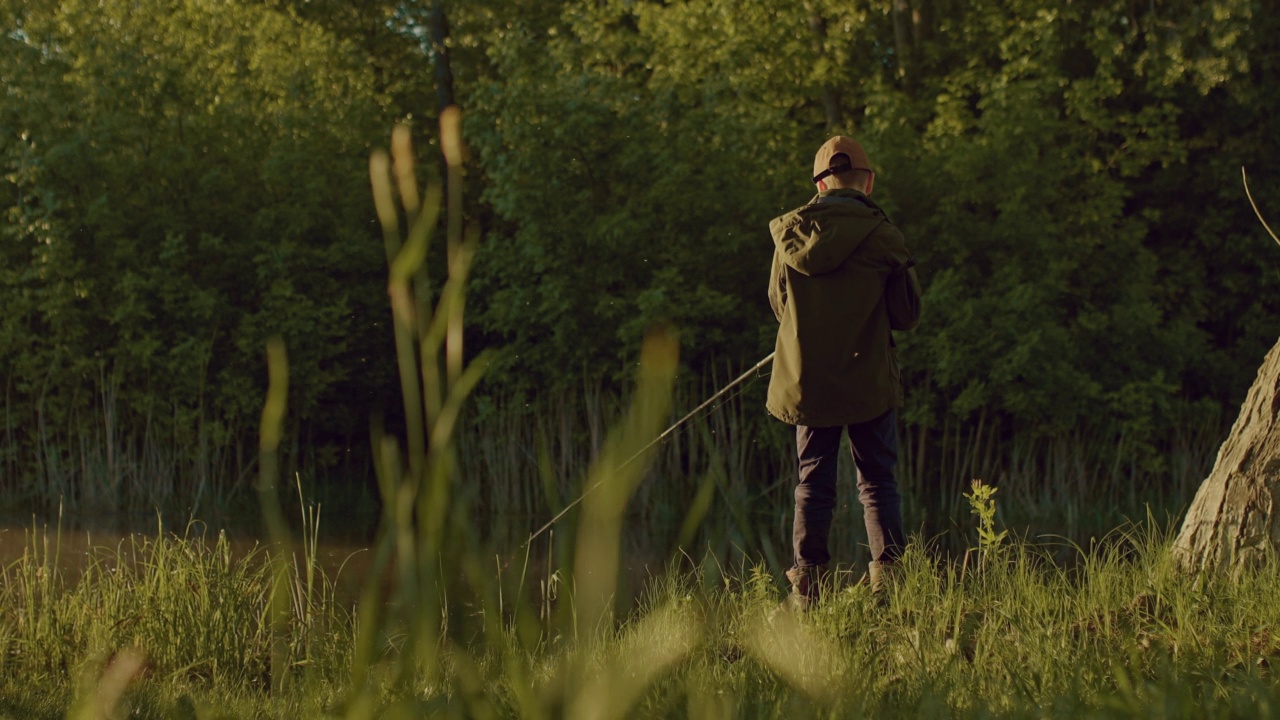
x=828 y=161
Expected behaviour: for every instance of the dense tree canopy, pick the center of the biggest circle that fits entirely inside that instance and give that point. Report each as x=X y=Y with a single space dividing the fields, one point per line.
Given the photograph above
x=1068 y=175
x=182 y=181
x=184 y=178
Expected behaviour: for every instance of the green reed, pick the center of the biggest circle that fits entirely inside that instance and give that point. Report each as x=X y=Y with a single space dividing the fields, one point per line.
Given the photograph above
x=197 y=612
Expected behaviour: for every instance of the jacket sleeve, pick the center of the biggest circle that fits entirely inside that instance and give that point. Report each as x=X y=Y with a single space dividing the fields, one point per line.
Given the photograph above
x=902 y=297
x=902 y=288
x=777 y=287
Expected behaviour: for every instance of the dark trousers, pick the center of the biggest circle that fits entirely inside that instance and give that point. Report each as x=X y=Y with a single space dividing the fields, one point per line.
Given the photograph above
x=875 y=452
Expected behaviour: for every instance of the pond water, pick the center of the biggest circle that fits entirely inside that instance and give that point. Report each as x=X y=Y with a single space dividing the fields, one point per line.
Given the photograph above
x=73 y=540
x=344 y=547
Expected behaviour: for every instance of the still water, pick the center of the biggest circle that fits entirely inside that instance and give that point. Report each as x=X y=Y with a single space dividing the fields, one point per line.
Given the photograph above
x=343 y=549
x=72 y=541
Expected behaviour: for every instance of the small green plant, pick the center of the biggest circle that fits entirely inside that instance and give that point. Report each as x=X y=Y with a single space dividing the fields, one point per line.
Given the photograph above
x=982 y=502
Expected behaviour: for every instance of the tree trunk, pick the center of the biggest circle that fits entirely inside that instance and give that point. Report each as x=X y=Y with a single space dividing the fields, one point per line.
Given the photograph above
x=830 y=96
x=438 y=35
x=921 y=24
x=902 y=48
x=1232 y=523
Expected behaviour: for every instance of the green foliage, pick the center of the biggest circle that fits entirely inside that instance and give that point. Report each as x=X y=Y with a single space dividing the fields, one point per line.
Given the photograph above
x=1055 y=169
x=181 y=182
x=636 y=184
x=1048 y=271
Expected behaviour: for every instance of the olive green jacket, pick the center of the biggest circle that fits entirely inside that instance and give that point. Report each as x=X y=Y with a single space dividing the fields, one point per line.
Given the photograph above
x=835 y=362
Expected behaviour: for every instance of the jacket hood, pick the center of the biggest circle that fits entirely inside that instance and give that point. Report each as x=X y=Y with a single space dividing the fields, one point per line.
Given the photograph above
x=818 y=237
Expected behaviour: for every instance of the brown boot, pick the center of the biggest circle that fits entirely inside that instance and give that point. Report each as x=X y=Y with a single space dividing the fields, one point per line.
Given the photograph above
x=881 y=574
x=806 y=587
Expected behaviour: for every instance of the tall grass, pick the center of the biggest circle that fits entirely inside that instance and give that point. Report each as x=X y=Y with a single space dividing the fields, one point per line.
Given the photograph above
x=1122 y=633
x=90 y=457
x=523 y=463
x=196 y=611
x=528 y=457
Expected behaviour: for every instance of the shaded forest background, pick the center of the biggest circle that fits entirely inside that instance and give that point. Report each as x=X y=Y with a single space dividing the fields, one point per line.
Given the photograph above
x=183 y=179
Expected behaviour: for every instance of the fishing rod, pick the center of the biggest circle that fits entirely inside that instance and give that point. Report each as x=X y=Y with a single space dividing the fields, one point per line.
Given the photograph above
x=741 y=378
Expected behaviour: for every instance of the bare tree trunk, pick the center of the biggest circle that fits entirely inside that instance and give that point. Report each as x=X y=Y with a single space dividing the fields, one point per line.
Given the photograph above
x=902 y=48
x=921 y=24
x=830 y=96
x=1232 y=522
x=438 y=37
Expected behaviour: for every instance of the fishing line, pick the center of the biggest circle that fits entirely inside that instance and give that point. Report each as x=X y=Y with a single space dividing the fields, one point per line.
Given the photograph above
x=741 y=378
